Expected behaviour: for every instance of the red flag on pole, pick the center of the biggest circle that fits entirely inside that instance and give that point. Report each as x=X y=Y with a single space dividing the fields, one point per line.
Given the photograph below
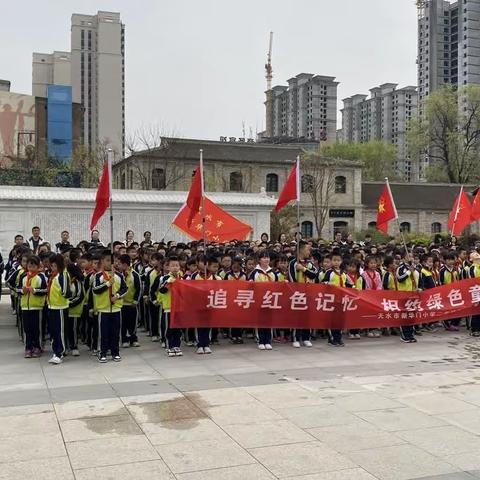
x=219 y=225
x=195 y=194
x=461 y=214
x=476 y=207
x=291 y=189
x=102 y=200
x=386 y=209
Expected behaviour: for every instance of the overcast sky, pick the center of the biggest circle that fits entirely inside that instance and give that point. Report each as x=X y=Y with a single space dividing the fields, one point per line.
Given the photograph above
x=196 y=67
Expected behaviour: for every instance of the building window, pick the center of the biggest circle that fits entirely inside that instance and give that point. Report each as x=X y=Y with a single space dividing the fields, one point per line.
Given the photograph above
x=340 y=227
x=307 y=183
x=271 y=182
x=340 y=184
x=236 y=181
x=405 y=227
x=436 y=227
x=158 y=179
x=372 y=225
x=307 y=229
x=122 y=181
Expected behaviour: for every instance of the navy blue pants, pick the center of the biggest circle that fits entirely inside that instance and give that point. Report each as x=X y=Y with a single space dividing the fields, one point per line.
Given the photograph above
x=71 y=337
x=203 y=337
x=109 y=328
x=32 y=327
x=301 y=335
x=56 y=328
x=407 y=331
x=264 y=336
x=334 y=336
x=174 y=335
x=155 y=312
x=475 y=323
x=129 y=323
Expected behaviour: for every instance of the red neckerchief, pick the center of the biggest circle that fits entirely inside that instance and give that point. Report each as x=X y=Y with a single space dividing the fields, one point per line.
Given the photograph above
x=340 y=276
x=50 y=281
x=354 y=278
x=373 y=279
x=29 y=278
x=395 y=281
x=106 y=276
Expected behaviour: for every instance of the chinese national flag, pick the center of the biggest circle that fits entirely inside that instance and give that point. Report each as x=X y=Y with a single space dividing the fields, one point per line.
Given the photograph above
x=102 y=200
x=291 y=190
x=461 y=214
x=386 y=209
x=476 y=207
x=220 y=226
x=194 y=198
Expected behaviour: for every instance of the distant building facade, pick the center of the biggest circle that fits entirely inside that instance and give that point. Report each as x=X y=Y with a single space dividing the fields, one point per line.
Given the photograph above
x=383 y=116
x=305 y=109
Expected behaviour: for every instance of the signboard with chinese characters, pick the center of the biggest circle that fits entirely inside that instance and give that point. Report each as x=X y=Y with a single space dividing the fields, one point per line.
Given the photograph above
x=341 y=213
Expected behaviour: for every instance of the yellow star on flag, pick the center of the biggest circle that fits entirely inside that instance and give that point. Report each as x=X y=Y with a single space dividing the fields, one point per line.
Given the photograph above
x=381 y=205
x=208 y=217
x=199 y=226
x=219 y=223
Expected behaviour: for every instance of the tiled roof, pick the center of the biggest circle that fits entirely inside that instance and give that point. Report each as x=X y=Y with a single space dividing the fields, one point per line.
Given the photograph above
x=18 y=193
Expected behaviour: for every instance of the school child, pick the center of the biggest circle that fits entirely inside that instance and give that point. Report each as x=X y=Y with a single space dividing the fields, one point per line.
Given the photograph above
x=91 y=311
x=160 y=286
x=154 y=310
x=225 y=265
x=130 y=302
x=109 y=288
x=75 y=308
x=236 y=274
x=212 y=265
x=302 y=270
x=370 y=280
x=32 y=289
x=426 y=282
x=58 y=295
x=263 y=273
x=335 y=276
x=474 y=272
x=448 y=275
x=352 y=271
x=140 y=266
x=407 y=277
x=249 y=266
x=191 y=268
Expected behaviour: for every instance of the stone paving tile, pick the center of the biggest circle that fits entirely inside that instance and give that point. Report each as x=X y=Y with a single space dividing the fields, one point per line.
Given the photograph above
x=392 y=420
x=437 y=403
x=26 y=409
x=221 y=396
x=39 y=469
x=400 y=462
x=186 y=430
x=468 y=420
x=277 y=432
x=203 y=455
x=15 y=425
x=300 y=459
x=18 y=397
x=90 y=428
x=150 y=398
x=90 y=408
x=348 y=474
x=114 y=451
x=201 y=382
x=465 y=461
x=154 y=469
x=442 y=441
x=452 y=476
x=242 y=472
x=251 y=412
x=125 y=389
x=83 y=392
x=363 y=402
x=31 y=447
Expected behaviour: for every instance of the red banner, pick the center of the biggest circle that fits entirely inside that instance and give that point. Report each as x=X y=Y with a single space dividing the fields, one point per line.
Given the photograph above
x=310 y=306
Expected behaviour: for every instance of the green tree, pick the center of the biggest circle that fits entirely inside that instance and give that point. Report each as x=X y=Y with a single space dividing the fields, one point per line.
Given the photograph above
x=377 y=157
x=447 y=132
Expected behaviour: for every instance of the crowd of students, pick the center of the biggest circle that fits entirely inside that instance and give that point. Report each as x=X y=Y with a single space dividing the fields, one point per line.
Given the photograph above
x=76 y=296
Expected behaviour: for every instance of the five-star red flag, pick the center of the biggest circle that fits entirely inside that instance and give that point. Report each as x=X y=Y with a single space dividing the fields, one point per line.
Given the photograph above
x=386 y=209
x=195 y=194
x=476 y=207
x=291 y=190
x=461 y=214
x=220 y=226
x=102 y=200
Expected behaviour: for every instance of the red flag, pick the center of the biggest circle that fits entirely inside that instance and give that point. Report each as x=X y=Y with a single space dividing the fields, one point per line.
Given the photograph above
x=195 y=194
x=386 y=209
x=461 y=214
x=476 y=207
x=102 y=200
x=220 y=226
x=291 y=190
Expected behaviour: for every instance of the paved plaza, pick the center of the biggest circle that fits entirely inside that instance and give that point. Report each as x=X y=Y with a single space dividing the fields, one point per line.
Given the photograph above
x=377 y=409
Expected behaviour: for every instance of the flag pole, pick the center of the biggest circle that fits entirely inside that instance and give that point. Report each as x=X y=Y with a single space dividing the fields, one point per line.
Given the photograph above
x=396 y=216
x=457 y=209
x=203 y=210
x=298 y=206
x=109 y=162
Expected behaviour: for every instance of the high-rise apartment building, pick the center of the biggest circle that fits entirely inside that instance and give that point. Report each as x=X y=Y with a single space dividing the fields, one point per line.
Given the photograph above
x=95 y=69
x=383 y=116
x=448 y=44
x=305 y=109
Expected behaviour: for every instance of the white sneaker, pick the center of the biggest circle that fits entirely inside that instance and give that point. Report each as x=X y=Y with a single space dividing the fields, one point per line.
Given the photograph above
x=307 y=343
x=296 y=344
x=207 y=350
x=55 y=360
x=178 y=352
x=135 y=344
x=268 y=346
x=164 y=345
x=125 y=345
x=261 y=346
x=75 y=352
x=200 y=350
x=155 y=339
x=171 y=352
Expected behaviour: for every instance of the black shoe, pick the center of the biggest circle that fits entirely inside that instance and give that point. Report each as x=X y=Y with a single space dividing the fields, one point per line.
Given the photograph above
x=404 y=340
x=102 y=359
x=412 y=340
x=117 y=358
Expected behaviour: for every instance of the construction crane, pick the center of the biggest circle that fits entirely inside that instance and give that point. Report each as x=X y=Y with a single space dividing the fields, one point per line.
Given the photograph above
x=268 y=65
